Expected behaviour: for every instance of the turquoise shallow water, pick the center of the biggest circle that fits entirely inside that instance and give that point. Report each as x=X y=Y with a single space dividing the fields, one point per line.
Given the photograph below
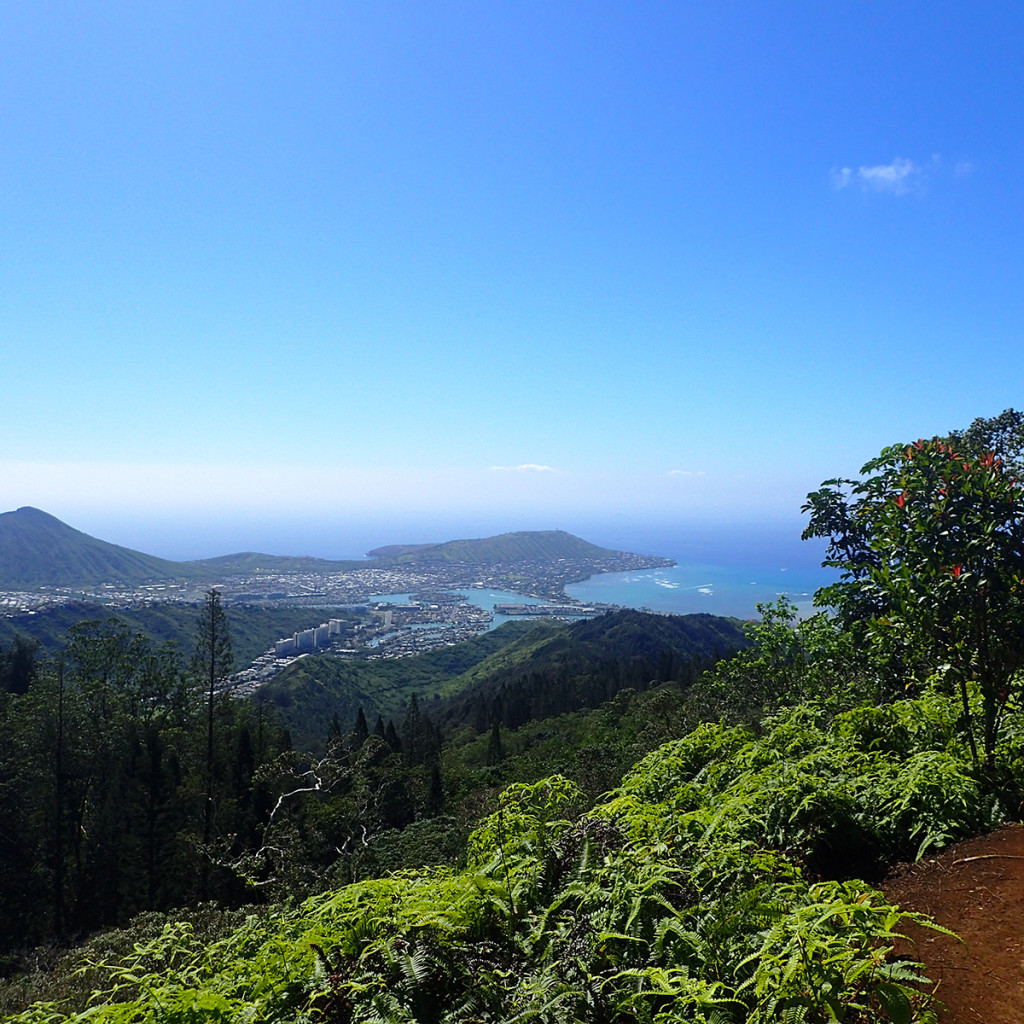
x=717 y=590
x=482 y=598
x=721 y=570
x=680 y=590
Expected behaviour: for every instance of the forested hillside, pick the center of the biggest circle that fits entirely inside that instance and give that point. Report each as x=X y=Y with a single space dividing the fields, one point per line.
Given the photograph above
x=587 y=663
x=253 y=628
x=318 y=690
x=714 y=885
x=704 y=851
x=520 y=672
x=120 y=766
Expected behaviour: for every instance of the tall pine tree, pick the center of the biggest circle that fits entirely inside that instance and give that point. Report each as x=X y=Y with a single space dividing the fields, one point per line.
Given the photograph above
x=213 y=661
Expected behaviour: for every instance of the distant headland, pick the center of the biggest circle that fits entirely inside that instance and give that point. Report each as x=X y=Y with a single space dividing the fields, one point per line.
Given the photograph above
x=41 y=555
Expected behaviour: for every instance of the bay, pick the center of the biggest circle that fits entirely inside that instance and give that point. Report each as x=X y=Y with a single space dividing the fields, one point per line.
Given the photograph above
x=481 y=597
x=725 y=569
x=689 y=588
x=684 y=589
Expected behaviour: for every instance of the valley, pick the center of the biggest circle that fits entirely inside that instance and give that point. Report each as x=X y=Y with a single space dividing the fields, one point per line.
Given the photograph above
x=99 y=580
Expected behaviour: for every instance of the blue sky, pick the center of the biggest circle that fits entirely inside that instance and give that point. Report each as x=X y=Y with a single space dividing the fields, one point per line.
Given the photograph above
x=310 y=276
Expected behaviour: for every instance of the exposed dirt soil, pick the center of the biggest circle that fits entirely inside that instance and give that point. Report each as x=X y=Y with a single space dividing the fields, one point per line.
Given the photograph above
x=976 y=889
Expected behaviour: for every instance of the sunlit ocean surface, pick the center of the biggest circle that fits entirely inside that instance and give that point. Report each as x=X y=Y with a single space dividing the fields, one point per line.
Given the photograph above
x=681 y=590
x=718 y=590
x=481 y=597
x=725 y=570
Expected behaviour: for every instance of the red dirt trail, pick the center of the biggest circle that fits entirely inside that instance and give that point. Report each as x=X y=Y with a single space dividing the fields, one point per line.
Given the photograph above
x=976 y=889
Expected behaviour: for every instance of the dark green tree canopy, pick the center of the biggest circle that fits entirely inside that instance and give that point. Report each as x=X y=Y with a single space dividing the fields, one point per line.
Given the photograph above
x=1001 y=435
x=18 y=665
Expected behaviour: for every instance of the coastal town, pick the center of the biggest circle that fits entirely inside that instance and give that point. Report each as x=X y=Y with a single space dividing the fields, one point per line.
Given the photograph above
x=385 y=629
x=545 y=580
x=352 y=584
x=369 y=611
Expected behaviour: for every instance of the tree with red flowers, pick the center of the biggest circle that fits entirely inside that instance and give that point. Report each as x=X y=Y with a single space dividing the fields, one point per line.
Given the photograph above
x=931 y=548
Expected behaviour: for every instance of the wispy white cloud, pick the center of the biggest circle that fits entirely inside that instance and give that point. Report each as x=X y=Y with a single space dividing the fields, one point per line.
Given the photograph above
x=963 y=169
x=897 y=178
x=527 y=467
x=686 y=472
x=842 y=177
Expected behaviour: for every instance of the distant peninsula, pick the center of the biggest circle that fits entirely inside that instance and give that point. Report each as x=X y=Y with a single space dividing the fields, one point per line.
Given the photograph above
x=41 y=554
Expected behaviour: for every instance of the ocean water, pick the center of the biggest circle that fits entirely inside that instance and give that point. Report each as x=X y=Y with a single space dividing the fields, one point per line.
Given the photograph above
x=481 y=597
x=680 y=590
x=723 y=569
x=716 y=589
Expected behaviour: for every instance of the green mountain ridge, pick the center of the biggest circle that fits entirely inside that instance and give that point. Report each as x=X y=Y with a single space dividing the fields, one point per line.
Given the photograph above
x=39 y=550
x=535 y=664
x=588 y=662
x=251 y=562
x=520 y=546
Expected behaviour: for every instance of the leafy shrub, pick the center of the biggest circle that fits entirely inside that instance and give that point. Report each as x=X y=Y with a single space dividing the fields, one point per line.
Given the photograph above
x=693 y=894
